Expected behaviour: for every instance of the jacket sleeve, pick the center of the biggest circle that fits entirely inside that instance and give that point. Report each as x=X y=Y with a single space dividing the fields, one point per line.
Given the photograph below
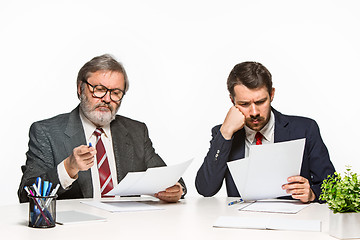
x=39 y=161
x=212 y=172
x=318 y=159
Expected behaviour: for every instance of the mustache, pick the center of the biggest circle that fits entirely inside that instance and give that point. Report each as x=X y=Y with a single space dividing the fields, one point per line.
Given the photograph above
x=256 y=117
x=103 y=104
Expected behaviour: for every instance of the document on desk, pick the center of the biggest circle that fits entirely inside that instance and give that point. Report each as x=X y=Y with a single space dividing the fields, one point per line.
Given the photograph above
x=261 y=175
x=275 y=206
x=268 y=222
x=121 y=206
x=152 y=181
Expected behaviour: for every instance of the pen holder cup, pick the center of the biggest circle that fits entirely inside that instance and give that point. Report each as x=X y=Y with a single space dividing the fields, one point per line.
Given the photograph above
x=42 y=211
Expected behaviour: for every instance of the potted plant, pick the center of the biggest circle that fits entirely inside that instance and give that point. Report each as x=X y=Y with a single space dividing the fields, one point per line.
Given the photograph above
x=342 y=195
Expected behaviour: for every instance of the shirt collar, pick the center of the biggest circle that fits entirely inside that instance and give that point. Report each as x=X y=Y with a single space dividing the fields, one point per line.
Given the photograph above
x=89 y=127
x=267 y=131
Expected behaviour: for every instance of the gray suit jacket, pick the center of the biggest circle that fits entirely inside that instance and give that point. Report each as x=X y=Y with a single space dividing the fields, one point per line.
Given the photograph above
x=52 y=140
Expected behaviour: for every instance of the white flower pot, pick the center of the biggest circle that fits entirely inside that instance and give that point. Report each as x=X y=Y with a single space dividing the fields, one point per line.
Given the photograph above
x=344 y=225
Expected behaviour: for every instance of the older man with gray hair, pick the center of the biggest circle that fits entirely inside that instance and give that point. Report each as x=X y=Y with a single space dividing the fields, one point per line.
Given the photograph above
x=90 y=150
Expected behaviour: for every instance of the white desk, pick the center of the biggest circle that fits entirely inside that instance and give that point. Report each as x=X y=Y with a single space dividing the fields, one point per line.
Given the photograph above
x=192 y=218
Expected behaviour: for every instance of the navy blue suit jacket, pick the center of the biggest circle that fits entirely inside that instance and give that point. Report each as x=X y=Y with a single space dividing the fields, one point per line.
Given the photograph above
x=316 y=164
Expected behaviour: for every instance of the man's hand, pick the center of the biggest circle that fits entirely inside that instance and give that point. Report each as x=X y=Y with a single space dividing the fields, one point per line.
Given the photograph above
x=234 y=121
x=171 y=194
x=299 y=188
x=81 y=159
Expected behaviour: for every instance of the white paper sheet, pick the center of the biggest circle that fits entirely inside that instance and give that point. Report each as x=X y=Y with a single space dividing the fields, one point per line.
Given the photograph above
x=152 y=181
x=261 y=175
x=275 y=206
x=268 y=223
x=122 y=206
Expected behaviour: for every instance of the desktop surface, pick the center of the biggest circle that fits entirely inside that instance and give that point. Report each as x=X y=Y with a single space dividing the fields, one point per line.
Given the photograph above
x=191 y=218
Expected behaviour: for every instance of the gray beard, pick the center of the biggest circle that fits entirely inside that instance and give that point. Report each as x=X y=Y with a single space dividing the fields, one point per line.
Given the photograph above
x=98 y=118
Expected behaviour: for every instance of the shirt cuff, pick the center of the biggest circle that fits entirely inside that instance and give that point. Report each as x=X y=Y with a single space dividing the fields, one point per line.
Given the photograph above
x=65 y=180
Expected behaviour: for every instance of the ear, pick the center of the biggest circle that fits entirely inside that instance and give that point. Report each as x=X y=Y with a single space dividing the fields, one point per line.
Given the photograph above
x=232 y=99
x=272 y=94
x=79 y=90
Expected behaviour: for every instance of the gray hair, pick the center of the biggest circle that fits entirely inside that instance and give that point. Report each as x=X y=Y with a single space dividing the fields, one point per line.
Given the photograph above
x=103 y=62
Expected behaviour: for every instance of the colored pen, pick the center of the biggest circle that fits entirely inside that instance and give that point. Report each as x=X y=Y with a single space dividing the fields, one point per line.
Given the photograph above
x=45 y=188
x=54 y=191
x=49 y=188
x=38 y=182
x=27 y=190
x=90 y=145
x=38 y=194
x=36 y=190
x=235 y=202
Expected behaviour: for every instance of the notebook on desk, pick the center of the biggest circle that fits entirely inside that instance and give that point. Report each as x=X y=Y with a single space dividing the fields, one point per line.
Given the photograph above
x=74 y=217
x=268 y=223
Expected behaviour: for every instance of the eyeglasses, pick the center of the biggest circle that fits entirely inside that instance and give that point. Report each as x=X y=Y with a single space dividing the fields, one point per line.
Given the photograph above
x=99 y=91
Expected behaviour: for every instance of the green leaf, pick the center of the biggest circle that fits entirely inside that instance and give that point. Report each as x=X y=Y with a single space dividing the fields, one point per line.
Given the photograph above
x=342 y=194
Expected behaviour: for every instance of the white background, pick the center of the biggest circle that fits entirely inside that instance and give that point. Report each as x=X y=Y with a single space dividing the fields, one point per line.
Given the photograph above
x=178 y=55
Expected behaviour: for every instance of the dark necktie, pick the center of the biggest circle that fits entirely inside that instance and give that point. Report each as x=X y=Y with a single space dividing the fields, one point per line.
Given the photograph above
x=258 y=137
x=106 y=183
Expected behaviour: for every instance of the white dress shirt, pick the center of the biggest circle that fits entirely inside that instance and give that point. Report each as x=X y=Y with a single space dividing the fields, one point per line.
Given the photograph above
x=89 y=128
x=267 y=131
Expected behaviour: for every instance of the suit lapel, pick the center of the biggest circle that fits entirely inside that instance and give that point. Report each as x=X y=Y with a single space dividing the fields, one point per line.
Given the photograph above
x=281 y=132
x=76 y=137
x=123 y=149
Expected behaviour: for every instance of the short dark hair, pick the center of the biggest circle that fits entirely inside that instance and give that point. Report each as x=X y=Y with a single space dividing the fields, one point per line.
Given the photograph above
x=103 y=62
x=250 y=74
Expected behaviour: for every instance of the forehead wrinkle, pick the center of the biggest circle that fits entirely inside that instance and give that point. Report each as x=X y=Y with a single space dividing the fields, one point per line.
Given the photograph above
x=253 y=100
x=106 y=78
x=250 y=95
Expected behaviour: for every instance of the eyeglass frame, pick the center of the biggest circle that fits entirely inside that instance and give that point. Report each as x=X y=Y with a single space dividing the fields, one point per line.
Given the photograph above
x=107 y=90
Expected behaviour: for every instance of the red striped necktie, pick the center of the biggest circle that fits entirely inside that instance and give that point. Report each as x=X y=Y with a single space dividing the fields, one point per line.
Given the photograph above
x=106 y=183
x=258 y=137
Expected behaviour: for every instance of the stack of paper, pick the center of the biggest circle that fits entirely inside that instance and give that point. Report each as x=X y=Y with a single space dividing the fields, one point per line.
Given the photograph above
x=262 y=174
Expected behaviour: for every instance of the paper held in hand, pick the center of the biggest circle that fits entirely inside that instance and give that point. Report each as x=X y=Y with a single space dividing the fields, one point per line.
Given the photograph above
x=261 y=175
x=152 y=181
